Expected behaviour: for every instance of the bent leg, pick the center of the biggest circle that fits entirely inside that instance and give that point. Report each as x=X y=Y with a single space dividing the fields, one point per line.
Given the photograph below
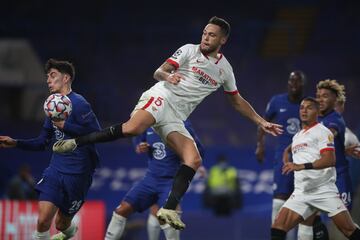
x=344 y=223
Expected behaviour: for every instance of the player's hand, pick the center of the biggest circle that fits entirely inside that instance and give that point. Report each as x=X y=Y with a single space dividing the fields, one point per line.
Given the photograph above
x=260 y=153
x=272 y=128
x=7 y=142
x=59 y=124
x=290 y=167
x=353 y=151
x=142 y=147
x=174 y=78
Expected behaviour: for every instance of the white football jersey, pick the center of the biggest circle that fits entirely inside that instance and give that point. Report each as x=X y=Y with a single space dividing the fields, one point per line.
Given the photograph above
x=306 y=147
x=202 y=76
x=350 y=138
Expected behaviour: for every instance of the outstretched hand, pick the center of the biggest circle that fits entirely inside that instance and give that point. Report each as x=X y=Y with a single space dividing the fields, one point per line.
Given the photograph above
x=7 y=142
x=353 y=151
x=272 y=128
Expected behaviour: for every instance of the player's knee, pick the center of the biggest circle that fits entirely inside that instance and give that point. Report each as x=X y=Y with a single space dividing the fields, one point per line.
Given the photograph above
x=348 y=229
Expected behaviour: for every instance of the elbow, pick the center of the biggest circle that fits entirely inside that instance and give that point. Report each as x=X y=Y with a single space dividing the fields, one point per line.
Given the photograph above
x=156 y=75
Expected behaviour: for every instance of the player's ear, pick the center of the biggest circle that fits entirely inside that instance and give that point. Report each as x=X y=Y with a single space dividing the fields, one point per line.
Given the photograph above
x=223 y=40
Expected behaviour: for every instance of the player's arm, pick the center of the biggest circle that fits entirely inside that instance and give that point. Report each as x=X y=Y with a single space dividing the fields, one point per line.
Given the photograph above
x=242 y=106
x=286 y=154
x=166 y=72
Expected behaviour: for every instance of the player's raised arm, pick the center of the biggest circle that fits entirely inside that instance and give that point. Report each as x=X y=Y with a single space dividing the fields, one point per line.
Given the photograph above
x=166 y=72
x=242 y=106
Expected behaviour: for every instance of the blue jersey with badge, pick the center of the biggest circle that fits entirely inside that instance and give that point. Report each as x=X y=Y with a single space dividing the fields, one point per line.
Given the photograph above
x=81 y=121
x=281 y=111
x=162 y=161
x=335 y=121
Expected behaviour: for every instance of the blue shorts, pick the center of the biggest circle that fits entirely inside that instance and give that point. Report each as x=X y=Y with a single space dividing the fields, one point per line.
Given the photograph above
x=283 y=184
x=344 y=185
x=148 y=191
x=66 y=191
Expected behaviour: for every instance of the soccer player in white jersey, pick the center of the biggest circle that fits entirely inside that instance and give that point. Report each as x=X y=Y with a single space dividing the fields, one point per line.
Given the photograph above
x=313 y=155
x=185 y=79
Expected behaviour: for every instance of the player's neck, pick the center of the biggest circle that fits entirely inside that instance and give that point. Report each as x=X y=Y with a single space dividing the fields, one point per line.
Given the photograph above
x=66 y=91
x=295 y=98
x=326 y=112
x=307 y=125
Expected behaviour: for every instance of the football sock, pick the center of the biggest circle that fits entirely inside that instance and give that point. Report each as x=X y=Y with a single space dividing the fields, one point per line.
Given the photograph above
x=70 y=231
x=320 y=231
x=105 y=135
x=41 y=235
x=355 y=235
x=116 y=227
x=153 y=227
x=277 y=234
x=181 y=183
x=170 y=233
x=276 y=206
x=305 y=232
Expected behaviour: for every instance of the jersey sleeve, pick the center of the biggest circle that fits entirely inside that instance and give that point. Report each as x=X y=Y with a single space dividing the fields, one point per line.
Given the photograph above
x=39 y=143
x=326 y=141
x=230 y=84
x=270 y=110
x=180 y=56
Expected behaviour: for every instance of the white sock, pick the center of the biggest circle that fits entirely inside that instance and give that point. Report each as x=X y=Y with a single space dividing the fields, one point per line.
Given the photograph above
x=170 y=232
x=41 y=235
x=276 y=206
x=116 y=227
x=153 y=227
x=305 y=232
x=70 y=231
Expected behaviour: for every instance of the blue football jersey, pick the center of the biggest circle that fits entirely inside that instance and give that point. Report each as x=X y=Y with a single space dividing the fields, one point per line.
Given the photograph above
x=162 y=161
x=81 y=121
x=281 y=111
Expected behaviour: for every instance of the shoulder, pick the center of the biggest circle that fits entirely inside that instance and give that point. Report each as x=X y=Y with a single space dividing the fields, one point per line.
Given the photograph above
x=77 y=98
x=321 y=129
x=189 y=47
x=225 y=63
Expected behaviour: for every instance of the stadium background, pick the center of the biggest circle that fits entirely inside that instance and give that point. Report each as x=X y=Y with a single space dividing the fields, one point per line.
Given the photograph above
x=116 y=46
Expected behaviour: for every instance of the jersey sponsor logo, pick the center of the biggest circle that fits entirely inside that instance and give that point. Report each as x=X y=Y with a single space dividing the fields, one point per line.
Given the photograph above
x=293 y=125
x=177 y=54
x=204 y=77
x=298 y=147
x=159 y=152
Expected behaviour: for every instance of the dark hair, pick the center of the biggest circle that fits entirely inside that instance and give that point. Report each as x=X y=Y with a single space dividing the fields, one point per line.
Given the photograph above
x=313 y=101
x=224 y=25
x=301 y=75
x=62 y=66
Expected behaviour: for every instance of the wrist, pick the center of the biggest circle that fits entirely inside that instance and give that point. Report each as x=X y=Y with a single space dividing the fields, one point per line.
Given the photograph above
x=308 y=166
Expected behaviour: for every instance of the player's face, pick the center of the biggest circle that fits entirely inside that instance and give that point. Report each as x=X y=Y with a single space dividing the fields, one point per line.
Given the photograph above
x=212 y=39
x=326 y=99
x=295 y=84
x=308 y=112
x=55 y=81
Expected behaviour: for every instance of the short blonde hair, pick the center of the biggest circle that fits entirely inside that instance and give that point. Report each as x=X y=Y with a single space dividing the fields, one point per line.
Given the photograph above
x=335 y=87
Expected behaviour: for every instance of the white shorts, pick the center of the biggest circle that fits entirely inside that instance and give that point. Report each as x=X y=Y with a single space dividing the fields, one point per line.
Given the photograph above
x=307 y=204
x=166 y=119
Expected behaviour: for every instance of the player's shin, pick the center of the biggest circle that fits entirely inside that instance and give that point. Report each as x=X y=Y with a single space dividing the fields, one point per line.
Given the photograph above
x=105 y=135
x=305 y=232
x=355 y=235
x=41 y=235
x=170 y=233
x=277 y=234
x=116 y=227
x=181 y=183
x=153 y=227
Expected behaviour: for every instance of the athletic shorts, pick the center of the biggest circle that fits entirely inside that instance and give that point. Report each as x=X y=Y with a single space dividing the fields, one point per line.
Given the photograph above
x=66 y=191
x=150 y=190
x=165 y=116
x=307 y=204
x=283 y=184
x=343 y=183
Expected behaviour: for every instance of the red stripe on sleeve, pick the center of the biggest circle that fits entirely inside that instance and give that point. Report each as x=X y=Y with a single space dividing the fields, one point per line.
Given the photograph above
x=148 y=103
x=327 y=149
x=232 y=93
x=172 y=62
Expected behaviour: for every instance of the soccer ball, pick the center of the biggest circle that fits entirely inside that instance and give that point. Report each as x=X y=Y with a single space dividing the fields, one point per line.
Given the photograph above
x=57 y=107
